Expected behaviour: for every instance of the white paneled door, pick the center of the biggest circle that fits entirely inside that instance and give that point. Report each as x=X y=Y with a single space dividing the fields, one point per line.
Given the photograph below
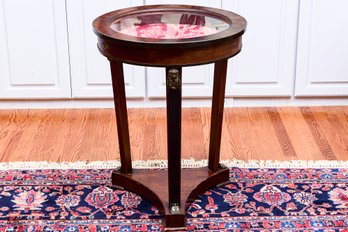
x=197 y=81
x=34 y=59
x=90 y=71
x=322 y=60
x=266 y=65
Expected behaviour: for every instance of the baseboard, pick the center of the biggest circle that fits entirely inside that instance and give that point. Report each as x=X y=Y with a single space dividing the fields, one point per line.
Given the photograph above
x=157 y=103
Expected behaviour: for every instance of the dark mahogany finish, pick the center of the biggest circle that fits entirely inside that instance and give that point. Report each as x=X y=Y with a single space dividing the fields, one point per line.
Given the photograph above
x=151 y=183
x=217 y=113
x=174 y=189
x=121 y=115
x=173 y=91
x=169 y=52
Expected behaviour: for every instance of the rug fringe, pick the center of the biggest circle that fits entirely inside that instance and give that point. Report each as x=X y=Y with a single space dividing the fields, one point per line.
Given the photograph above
x=286 y=164
x=61 y=165
x=186 y=163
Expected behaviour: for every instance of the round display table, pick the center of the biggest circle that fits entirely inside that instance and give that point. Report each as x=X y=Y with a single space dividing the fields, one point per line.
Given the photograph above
x=170 y=36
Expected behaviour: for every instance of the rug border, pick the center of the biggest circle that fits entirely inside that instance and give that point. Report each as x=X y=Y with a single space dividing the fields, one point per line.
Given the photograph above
x=186 y=163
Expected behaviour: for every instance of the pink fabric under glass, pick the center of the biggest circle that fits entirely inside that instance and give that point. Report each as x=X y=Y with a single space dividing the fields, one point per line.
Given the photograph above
x=169 y=26
x=168 y=31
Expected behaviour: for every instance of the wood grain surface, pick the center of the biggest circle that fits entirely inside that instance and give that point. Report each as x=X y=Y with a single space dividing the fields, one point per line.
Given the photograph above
x=305 y=133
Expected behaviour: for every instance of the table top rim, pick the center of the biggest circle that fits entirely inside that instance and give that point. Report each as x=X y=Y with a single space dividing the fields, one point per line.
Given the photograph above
x=101 y=25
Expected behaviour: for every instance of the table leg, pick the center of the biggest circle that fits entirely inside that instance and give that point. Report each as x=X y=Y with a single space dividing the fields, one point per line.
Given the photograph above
x=173 y=83
x=217 y=111
x=121 y=115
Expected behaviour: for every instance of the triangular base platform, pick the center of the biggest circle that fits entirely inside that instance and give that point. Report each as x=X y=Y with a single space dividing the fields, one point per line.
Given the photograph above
x=153 y=186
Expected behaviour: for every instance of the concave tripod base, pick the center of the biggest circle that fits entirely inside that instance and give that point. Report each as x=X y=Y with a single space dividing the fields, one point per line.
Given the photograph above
x=152 y=185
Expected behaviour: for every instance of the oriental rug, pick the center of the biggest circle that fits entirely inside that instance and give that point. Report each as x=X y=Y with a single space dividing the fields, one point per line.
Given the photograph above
x=261 y=196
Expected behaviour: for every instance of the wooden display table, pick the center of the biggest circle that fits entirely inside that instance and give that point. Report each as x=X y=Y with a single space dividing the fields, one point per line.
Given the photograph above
x=170 y=36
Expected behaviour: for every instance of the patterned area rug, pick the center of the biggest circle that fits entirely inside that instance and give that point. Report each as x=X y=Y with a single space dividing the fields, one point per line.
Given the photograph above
x=255 y=199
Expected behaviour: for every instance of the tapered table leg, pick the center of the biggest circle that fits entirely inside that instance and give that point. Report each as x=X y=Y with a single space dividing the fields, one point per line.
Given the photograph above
x=220 y=70
x=121 y=115
x=173 y=90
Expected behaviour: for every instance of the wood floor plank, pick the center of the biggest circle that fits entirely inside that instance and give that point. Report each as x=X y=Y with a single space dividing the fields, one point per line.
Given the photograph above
x=335 y=131
x=6 y=134
x=249 y=133
x=317 y=132
x=205 y=127
x=300 y=134
x=142 y=138
x=282 y=133
x=343 y=113
x=152 y=139
x=19 y=127
x=46 y=143
x=99 y=136
x=266 y=143
x=235 y=142
x=29 y=131
x=193 y=143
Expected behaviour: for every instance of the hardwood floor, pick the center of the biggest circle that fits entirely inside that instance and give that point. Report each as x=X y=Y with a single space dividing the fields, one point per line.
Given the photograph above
x=305 y=133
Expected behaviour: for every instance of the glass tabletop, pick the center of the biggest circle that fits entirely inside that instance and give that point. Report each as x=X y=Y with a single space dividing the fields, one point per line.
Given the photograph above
x=168 y=25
